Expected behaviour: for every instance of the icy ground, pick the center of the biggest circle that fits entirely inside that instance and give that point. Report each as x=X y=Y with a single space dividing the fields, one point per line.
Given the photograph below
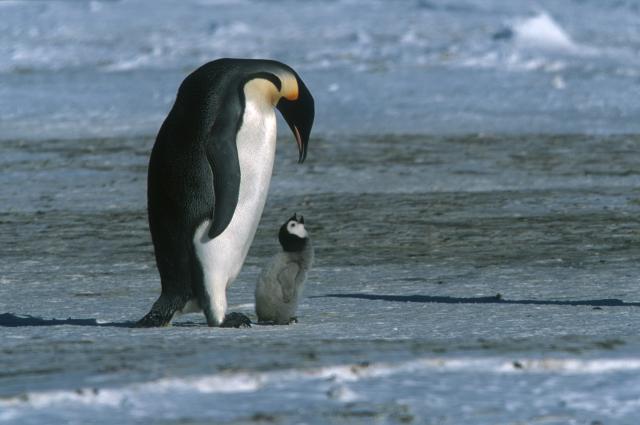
x=479 y=279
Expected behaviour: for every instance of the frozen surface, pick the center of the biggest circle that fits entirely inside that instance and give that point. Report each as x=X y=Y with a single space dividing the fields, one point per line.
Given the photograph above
x=458 y=280
x=475 y=262
x=111 y=68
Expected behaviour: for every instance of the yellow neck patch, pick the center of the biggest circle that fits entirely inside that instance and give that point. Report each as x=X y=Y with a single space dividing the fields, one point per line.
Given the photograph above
x=261 y=87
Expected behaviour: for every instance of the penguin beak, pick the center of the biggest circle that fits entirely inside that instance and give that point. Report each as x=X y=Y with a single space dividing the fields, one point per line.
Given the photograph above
x=299 y=114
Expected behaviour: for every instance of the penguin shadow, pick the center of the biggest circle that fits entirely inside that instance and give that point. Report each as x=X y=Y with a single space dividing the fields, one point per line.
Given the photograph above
x=11 y=320
x=496 y=299
x=14 y=320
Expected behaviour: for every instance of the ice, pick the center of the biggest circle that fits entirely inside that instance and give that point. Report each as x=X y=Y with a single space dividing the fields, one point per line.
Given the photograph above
x=466 y=277
x=344 y=385
x=90 y=70
x=541 y=31
x=471 y=190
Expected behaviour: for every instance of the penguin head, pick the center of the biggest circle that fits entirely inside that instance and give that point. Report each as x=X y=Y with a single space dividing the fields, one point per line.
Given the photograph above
x=293 y=236
x=298 y=110
x=292 y=98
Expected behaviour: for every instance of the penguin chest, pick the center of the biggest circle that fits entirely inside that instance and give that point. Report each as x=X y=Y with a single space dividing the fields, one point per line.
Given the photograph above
x=256 y=142
x=223 y=256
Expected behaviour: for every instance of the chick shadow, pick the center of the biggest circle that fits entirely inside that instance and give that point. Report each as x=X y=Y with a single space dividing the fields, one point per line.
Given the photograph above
x=496 y=299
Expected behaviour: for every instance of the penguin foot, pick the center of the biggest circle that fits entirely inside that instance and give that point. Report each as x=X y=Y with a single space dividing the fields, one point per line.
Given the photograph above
x=153 y=320
x=162 y=311
x=293 y=320
x=236 y=320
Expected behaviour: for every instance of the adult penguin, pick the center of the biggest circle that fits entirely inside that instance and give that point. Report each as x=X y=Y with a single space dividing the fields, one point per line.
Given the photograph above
x=208 y=179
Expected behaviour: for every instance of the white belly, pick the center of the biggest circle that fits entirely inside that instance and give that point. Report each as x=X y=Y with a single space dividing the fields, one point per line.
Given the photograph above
x=223 y=256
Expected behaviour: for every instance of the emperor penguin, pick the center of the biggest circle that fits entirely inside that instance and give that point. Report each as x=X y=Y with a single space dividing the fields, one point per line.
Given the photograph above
x=208 y=179
x=281 y=282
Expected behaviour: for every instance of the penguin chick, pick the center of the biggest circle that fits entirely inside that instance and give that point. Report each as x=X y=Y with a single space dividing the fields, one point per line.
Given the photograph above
x=281 y=282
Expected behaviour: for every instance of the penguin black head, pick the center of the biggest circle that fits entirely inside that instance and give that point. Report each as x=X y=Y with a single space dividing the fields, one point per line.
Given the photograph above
x=289 y=95
x=285 y=89
x=298 y=111
x=293 y=236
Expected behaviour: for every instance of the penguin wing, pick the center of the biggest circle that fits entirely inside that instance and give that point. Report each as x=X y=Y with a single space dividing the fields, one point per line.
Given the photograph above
x=287 y=281
x=222 y=154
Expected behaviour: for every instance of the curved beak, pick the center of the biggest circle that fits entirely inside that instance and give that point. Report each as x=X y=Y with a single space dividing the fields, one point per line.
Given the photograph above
x=299 y=114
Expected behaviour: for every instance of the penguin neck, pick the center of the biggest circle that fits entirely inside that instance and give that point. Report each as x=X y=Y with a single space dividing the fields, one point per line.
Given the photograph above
x=261 y=91
x=256 y=143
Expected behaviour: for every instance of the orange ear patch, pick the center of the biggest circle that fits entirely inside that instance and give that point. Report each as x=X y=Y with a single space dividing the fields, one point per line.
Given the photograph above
x=289 y=87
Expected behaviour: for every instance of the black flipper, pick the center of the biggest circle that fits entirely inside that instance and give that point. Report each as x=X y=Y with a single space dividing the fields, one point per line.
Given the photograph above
x=222 y=154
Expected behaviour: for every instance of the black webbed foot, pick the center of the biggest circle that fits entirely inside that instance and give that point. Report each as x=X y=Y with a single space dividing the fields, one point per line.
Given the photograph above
x=162 y=311
x=153 y=320
x=236 y=320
